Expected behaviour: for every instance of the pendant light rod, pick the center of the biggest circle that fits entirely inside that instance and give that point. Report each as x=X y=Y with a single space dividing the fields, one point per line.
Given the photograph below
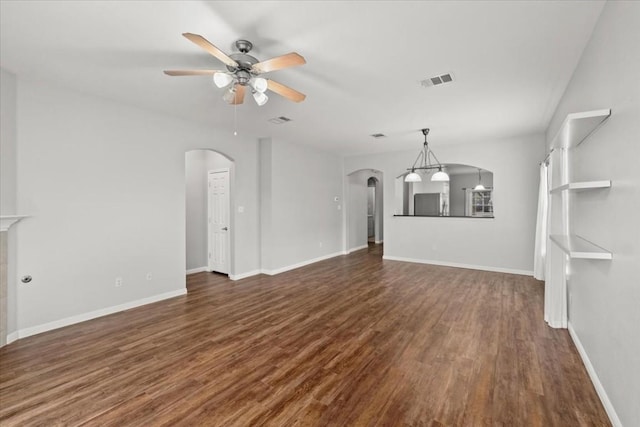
x=424 y=162
x=425 y=155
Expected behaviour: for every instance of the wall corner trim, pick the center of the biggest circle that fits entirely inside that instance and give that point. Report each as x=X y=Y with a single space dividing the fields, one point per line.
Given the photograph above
x=460 y=265
x=602 y=394
x=38 y=329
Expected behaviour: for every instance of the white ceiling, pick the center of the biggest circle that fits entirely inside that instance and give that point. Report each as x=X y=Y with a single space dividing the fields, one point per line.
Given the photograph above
x=511 y=61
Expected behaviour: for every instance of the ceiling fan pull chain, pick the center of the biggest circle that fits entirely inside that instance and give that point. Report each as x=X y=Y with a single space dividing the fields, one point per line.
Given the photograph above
x=235 y=119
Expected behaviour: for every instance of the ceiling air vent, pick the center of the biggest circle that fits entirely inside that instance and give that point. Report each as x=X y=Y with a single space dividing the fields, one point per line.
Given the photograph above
x=279 y=120
x=378 y=135
x=437 y=80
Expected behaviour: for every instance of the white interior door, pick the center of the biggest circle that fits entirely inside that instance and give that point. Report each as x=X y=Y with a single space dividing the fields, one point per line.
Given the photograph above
x=219 y=220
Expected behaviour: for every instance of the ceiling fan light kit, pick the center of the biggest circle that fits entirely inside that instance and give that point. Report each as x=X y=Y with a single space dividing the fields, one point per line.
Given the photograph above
x=243 y=70
x=259 y=84
x=424 y=162
x=222 y=80
x=260 y=98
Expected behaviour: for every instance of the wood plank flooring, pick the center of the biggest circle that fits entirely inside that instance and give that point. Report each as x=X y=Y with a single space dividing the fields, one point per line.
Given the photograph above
x=353 y=340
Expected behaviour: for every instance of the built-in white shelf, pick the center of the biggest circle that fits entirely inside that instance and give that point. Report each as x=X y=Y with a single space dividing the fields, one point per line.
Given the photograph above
x=577 y=247
x=578 y=126
x=6 y=221
x=581 y=186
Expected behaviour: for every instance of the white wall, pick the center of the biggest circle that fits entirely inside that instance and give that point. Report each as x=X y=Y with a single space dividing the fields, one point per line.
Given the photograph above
x=8 y=185
x=197 y=165
x=605 y=295
x=7 y=143
x=105 y=184
x=356 y=205
x=305 y=220
x=265 y=197
x=503 y=243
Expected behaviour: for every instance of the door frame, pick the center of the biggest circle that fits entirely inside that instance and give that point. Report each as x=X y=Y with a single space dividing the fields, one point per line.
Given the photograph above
x=357 y=181
x=229 y=218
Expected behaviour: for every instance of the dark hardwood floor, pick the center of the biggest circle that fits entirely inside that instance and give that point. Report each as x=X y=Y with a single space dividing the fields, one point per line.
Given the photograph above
x=353 y=340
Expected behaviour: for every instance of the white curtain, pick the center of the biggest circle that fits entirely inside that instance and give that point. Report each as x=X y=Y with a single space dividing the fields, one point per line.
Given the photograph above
x=540 y=252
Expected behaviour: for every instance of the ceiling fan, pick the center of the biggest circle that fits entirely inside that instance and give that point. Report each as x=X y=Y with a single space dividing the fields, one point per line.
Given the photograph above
x=243 y=72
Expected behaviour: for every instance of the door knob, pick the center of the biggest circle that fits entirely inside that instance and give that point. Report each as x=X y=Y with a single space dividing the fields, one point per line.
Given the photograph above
x=224 y=228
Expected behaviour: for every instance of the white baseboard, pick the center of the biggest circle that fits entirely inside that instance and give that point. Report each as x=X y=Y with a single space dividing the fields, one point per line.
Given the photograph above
x=12 y=337
x=557 y=324
x=357 y=248
x=33 y=330
x=460 y=265
x=197 y=270
x=377 y=242
x=602 y=394
x=300 y=264
x=244 y=275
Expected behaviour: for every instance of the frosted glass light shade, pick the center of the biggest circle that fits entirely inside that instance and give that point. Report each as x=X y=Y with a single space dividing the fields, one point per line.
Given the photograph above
x=230 y=95
x=222 y=79
x=259 y=84
x=440 y=176
x=412 y=177
x=479 y=187
x=260 y=98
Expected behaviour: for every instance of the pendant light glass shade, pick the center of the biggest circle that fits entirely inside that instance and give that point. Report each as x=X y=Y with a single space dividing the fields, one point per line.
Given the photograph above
x=259 y=84
x=260 y=98
x=412 y=177
x=222 y=79
x=440 y=176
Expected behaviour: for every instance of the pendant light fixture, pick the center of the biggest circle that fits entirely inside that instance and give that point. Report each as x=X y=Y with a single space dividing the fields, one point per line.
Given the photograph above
x=424 y=162
x=479 y=186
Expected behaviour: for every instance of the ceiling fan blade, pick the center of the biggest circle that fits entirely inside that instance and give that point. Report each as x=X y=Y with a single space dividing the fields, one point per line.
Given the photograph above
x=192 y=72
x=278 y=63
x=239 y=98
x=209 y=47
x=286 y=91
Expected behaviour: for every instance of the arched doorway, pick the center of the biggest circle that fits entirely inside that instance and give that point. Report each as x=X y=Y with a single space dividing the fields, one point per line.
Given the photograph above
x=209 y=229
x=364 y=209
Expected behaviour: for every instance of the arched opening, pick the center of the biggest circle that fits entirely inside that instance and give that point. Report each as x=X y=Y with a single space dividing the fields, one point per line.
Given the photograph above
x=372 y=228
x=364 y=209
x=209 y=222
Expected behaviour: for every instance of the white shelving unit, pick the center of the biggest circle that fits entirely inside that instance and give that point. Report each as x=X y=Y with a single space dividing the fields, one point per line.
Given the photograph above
x=578 y=126
x=6 y=221
x=577 y=247
x=574 y=130
x=581 y=186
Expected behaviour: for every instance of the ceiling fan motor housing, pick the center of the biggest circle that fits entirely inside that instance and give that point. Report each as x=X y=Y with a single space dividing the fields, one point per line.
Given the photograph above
x=245 y=62
x=243 y=77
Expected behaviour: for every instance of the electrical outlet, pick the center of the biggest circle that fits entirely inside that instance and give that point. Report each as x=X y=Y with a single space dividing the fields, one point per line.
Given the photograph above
x=118 y=282
x=149 y=276
x=320 y=244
